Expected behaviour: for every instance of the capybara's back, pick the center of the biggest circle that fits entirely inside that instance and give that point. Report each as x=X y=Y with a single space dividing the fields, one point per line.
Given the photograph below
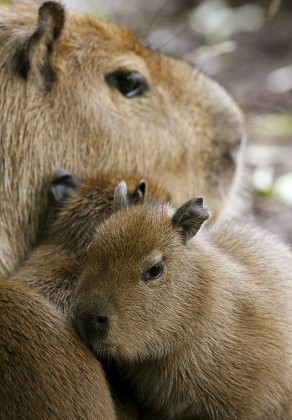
x=46 y=372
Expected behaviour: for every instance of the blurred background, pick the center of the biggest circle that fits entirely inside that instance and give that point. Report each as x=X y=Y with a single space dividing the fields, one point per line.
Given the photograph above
x=247 y=47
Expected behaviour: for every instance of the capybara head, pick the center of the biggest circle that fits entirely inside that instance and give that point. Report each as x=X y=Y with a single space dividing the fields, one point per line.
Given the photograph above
x=90 y=96
x=77 y=207
x=130 y=298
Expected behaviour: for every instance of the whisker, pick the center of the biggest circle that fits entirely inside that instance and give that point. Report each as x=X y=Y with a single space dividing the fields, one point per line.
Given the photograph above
x=171 y=39
x=83 y=236
x=156 y=15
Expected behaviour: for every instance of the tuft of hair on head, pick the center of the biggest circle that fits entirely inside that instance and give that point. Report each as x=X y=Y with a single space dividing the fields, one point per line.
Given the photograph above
x=123 y=199
x=188 y=219
x=120 y=196
x=140 y=193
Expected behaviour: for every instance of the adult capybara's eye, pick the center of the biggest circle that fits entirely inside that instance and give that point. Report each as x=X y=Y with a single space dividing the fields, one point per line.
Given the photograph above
x=129 y=83
x=154 y=272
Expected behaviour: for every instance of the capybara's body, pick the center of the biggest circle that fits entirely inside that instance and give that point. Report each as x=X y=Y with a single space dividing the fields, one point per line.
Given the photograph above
x=202 y=327
x=89 y=96
x=45 y=370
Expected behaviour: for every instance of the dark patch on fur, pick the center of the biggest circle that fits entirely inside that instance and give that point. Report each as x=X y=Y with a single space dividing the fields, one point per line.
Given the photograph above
x=51 y=20
x=189 y=218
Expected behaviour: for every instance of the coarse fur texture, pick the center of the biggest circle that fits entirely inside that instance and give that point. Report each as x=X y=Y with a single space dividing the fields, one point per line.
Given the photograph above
x=54 y=265
x=59 y=109
x=202 y=327
x=46 y=372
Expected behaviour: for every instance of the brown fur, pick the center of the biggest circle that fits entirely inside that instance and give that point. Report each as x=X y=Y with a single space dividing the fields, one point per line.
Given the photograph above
x=57 y=110
x=53 y=267
x=45 y=371
x=211 y=338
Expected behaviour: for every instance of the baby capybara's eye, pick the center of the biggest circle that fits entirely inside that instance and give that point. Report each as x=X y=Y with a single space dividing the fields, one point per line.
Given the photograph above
x=129 y=83
x=154 y=272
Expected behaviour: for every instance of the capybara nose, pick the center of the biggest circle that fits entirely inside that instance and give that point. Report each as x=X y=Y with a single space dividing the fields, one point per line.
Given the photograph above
x=101 y=319
x=92 y=327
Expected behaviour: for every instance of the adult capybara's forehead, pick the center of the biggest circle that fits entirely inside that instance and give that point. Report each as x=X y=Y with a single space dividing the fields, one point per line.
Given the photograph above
x=107 y=38
x=106 y=30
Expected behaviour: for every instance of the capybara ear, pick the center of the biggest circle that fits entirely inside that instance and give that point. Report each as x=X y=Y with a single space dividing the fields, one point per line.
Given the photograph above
x=120 y=196
x=63 y=186
x=188 y=219
x=34 y=57
x=140 y=192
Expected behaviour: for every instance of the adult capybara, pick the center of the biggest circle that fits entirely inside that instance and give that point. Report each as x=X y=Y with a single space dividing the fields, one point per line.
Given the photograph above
x=201 y=327
x=89 y=96
x=46 y=372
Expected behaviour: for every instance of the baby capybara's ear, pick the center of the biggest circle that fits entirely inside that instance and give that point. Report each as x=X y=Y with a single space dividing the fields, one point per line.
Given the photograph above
x=120 y=196
x=63 y=186
x=140 y=192
x=34 y=55
x=188 y=219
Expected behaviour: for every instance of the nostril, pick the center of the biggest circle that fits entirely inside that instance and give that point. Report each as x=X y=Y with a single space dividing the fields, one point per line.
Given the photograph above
x=98 y=325
x=92 y=327
x=100 y=319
